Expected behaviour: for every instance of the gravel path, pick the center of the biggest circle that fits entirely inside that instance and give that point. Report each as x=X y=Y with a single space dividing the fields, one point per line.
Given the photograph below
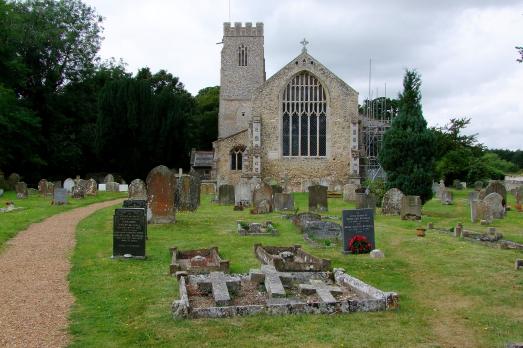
x=34 y=290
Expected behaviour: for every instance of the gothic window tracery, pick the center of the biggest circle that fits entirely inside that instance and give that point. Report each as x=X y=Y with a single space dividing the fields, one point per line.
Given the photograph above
x=304 y=117
x=237 y=157
x=242 y=55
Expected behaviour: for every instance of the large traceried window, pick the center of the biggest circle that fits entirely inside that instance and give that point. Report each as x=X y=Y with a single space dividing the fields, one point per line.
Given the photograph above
x=242 y=55
x=304 y=126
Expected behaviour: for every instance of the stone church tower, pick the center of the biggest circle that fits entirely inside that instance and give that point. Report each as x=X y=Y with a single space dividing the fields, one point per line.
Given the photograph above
x=242 y=71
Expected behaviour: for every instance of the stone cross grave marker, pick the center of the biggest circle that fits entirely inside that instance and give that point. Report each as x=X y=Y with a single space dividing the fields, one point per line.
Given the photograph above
x=318 y=198
x=129 y=232
x=220 y=284
x=323 y=290
x=272 y=279
x=161 y=188
x=358 y=222
x=226 y=194
x=69 y=184
x=60 y=196
x=137 y=189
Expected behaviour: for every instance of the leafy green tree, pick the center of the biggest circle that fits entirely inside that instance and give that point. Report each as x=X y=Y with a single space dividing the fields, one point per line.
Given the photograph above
x=407 y=153
x=206 y=117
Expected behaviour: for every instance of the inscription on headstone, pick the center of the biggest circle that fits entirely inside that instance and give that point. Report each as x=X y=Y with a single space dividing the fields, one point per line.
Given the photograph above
x=129 y=232
x=358 y=222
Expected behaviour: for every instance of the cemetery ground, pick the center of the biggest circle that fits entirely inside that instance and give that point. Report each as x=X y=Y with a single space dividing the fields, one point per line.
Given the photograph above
x=453 y=293
x=36 y=208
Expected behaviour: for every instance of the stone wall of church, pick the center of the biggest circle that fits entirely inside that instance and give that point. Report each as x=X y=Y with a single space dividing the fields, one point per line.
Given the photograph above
x=222 y=157
x=333 y=169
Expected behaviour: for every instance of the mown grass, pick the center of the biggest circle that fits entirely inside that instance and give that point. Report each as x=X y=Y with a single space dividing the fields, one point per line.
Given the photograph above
x=452 y=292
x=37 y=208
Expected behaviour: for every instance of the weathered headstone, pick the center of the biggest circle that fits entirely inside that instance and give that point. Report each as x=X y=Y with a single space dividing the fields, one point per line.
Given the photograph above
x=358 y=222
x=441 y=188
x=69 y=184
x=391 y=203
x=21 y=190
x=129 y=232
x=137 y=189
x=12 y=180
x=60 y=196
x=226 y=194
x=473 y=195
x=43 y=187
x=495 y=186
x=494 y=202
x=302 y=219
x=207 y=188
x=446 y=196
x=91 y=187
x=242 y=194
x=78 y=191
x=323 y=230
x=283 y=201
x=318 y=198
x=161 y=187
x=262 y=198
x=478 y=185
x=112 y=186
x=349 y=192
x=365 y=201
x=187 y=193
x=410 y=208
x=108 y=178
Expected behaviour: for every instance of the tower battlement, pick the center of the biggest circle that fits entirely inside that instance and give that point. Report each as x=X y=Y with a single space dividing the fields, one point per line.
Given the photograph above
x=242 y=30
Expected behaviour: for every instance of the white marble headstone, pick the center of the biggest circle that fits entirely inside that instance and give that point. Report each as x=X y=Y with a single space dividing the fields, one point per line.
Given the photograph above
x=102 y=187
x=123 y=188
x=68 y=185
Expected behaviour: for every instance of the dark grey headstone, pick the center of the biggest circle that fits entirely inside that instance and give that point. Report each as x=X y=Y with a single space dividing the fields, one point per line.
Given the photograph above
x=129 y=232
x=60 y=196
x=358 y=222
x=226 y=194
x=283 y=201
x=318 y=198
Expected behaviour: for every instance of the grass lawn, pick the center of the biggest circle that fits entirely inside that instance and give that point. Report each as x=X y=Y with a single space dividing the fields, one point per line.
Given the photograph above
x=37 y=208
x=452 y=292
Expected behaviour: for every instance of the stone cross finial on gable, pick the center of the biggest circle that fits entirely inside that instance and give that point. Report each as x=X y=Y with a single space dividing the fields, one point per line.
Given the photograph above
x=304 y=43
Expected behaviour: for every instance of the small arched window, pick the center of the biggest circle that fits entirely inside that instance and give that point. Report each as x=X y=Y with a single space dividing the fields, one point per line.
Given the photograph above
x=237 y=157
x=304 y=123
x=242 y=55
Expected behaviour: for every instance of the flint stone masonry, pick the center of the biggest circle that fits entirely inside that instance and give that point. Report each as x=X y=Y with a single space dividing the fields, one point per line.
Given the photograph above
x=220 y=284
x=301 y=261
x=391 y=203
x=226 y=194
x=323 y=290
x=183 y=260
x=161 y=186
x=410 y=208
x=318 y=198
x=283 y=201
x=137 y=189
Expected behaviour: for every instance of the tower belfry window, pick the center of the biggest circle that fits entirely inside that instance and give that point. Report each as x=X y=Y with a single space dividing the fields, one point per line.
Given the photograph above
x=242 y=55
x=304 y=112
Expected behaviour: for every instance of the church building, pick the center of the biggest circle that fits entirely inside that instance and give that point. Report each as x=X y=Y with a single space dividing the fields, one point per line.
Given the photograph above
x=297 y=128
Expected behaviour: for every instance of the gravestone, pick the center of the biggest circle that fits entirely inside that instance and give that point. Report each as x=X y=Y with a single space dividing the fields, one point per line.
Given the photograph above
x=161 y=188
x=60 y=196
x=187 y=193
x=207 y=188
x=12 y=180
x=69 y=184
x=112 y=186
x=91 y=187
x=129 y=232
x=446 y=196
x=283 y=201
x=50 y=188
x=494 y=202
x=323 y=230
x=273 y=280
x=137 y=190
x=108 y=178
x=349 y=192
x=478 y=185
x=226 y=194
x=276 y=189
x=473 y=196
x=57 y=184
x=410 y=208
x=435 y=189
x=495 y=186
x=358 y=222
x=102 y=187
x=78 y=191
x=391 y=204
x=318 y=198
x=140 y=204
x=43 y=187
x=242 y=194
x=123 y=188
x=219 y=284
x=474 y=210
x=365 y=201
x=323 y=290
x=302 y=219
x=21 y=190
x=441 y=188
x=262 y=198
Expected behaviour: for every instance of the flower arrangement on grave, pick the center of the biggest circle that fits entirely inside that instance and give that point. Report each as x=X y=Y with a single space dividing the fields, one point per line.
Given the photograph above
x=359 y=245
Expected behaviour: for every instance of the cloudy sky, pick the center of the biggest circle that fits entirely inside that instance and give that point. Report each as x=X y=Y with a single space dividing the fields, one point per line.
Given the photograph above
x=463 y=49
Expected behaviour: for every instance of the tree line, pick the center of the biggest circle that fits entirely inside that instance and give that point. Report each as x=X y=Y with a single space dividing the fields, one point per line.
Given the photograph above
x=64 y=112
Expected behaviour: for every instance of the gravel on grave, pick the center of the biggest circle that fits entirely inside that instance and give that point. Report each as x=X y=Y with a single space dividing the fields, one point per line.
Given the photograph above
x=34 y=290
x=254 y=294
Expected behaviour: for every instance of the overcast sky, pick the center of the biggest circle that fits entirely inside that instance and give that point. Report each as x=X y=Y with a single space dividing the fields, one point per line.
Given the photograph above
x=464 y=50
